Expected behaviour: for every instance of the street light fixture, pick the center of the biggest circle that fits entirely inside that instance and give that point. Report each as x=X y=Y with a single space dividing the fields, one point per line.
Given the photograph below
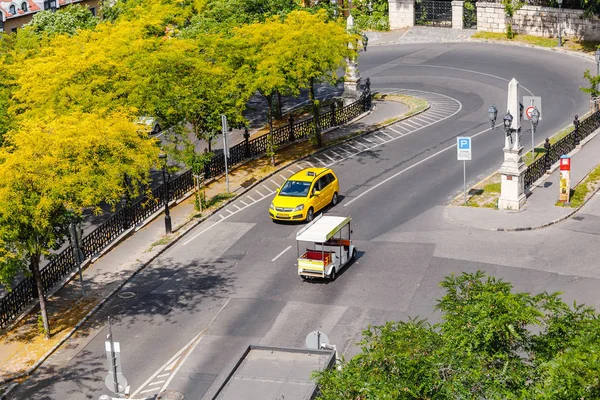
x=559 y=21
x=493 y=113
x=535 y=118
x=508 y=119
x=166 y=178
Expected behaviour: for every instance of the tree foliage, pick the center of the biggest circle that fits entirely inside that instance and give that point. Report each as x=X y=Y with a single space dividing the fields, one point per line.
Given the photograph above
x=492 y=343
x=67 y=20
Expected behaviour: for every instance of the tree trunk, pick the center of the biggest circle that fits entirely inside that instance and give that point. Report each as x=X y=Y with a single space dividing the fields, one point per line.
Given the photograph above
x=34 y=266
x=279 y=105
x=315 y=113
x=270 y=118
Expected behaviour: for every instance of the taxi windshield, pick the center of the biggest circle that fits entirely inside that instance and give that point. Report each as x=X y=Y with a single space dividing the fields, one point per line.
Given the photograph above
x=295 y=189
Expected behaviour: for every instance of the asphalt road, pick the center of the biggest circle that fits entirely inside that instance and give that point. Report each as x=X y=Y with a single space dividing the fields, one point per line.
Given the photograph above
x=232 y=281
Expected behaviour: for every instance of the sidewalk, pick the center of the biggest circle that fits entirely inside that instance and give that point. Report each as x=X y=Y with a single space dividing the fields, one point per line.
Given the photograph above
x=22 y=349
x=419 y=34
x=540 y=210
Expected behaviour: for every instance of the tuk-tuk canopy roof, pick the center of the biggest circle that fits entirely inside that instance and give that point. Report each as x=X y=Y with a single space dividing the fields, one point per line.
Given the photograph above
x=322 y=229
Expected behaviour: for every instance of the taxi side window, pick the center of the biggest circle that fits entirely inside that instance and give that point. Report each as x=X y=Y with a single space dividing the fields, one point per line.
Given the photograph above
x=329 y=178
x=319 y=184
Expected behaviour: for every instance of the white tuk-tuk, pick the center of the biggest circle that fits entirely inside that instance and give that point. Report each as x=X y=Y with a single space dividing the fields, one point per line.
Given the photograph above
x=331 y=247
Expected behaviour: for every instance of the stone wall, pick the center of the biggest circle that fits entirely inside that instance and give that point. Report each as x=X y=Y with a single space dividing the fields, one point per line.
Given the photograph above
x=538 y=21
x=402 y=13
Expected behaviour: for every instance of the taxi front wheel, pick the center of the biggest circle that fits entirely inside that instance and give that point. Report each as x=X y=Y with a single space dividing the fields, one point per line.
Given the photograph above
x=310 y=214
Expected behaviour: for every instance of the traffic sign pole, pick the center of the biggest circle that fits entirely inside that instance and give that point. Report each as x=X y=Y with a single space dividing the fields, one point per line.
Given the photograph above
x=465 y=179
x=225 y=149
x=463 y=147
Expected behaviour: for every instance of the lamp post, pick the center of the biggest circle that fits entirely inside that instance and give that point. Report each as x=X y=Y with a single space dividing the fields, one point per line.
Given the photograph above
x=576 y=137
x=492 y=114
x=535 y=118
x=166 y=179
x=559 y=21
x=508 y=118
x=75 y=238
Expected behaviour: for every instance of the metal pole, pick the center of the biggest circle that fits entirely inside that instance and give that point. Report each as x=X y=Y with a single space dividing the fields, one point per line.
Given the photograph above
x=597 y=73
x=113 y=356
x=225 y=149
x=168 y=226
x=76 y=253
x=559 y=27
x=465 y=180
x=532 y=141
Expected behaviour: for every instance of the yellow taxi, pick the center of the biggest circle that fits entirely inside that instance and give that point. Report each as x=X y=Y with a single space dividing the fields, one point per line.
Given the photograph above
x=304 y=194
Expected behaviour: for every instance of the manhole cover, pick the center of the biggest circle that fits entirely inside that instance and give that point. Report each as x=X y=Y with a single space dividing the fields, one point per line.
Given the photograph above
x=170 y=395
x=127 y=295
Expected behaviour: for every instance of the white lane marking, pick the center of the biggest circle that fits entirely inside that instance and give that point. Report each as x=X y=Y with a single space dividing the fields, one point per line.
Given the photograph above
x=251 y=199
x=275 y=183
x=393 y=130
x=298 y=166
x=290 y=171
x=422 y=120
x=239 y=208
x=336 y=153
x=309 y=163
x=229 y=211
x=191 y=350
x=406 y=128
x=148 y=391
x=436 y=114
x=379 y=137
x=367 y=148
x=244 y=203
x=268 y=188
x=257 y=191
x=362 y=144
x=427 y=118
x=412 y=124
x=383 y=133
x=332 y=159
x=473 y=72
x=349 y=145
x=221 y=215
x=284 y=178
x=156 y=383
x=162 y=376
x=319 y=160
x=407 y=169
x=370 y=141
x=280 y=254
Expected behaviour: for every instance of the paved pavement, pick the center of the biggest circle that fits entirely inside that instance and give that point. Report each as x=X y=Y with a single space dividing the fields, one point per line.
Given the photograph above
x=419 y=34
x=541 y=209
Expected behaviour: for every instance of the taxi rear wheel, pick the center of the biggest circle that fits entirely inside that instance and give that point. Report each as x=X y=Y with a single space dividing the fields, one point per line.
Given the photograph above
x=310 y=214
x=334 y=199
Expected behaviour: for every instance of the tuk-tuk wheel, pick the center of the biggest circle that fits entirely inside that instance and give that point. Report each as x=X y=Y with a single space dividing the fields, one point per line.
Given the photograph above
x=332 y=275
x=353 y=254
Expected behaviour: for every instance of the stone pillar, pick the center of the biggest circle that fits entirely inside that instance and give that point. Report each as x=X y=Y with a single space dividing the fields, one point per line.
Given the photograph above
x=352 y=90
x=512 y=192
x=401 y=13
x=457 y=14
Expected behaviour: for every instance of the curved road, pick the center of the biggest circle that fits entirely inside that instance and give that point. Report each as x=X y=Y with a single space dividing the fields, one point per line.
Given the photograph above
x=232 y=281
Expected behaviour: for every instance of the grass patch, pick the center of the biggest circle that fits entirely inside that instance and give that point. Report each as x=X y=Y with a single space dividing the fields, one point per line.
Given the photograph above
x=215 y=201
x=583 y=191
x=484 y=194
x=415 y=104
x=573 y=44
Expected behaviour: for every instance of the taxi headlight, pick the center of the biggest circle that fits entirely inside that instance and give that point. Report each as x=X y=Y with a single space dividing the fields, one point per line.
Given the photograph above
x=272 y=207
x=299 y=208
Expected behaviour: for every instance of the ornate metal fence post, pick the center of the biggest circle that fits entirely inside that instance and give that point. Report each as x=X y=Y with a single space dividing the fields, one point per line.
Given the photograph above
x=547 y=162
x=291 y=121
x=333 y=121
x=576 y=137
x=246 y=143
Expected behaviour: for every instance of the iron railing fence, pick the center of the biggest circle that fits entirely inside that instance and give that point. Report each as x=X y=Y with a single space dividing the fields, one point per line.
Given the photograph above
x=63 y=263
x=538 y=168
x=433 y=13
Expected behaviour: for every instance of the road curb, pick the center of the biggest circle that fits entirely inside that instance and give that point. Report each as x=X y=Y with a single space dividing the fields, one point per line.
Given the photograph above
x=187 y=227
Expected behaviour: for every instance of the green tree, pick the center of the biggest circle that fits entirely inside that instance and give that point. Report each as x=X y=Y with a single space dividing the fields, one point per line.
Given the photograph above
x=66 y=20
x=52 y=163
x=492 y=343
x=313 y=50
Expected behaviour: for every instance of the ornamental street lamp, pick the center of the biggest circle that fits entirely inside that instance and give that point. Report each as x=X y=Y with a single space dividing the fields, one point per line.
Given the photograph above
x=559 y=21
x=492 y=114
x=166 y=182
x=576 y=137
x=535 y=118
x=508 y=119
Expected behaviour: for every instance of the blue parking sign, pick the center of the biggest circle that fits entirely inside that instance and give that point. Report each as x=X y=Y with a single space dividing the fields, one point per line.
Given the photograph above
x=463 y=146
